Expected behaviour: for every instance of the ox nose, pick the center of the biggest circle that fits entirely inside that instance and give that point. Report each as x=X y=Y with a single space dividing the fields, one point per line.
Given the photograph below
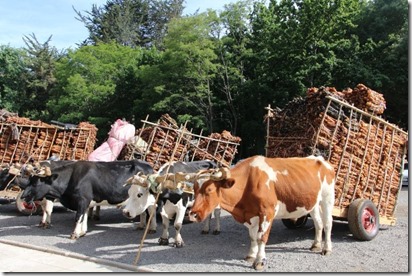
x=126 y=213
x=193 y=216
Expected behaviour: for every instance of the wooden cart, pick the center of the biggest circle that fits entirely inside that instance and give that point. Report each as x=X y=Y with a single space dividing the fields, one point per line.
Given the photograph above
x=366 y=151
x=165 y=141
x=22 y=140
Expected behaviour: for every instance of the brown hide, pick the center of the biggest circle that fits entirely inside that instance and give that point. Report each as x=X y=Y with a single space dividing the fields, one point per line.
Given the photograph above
x=246 y=193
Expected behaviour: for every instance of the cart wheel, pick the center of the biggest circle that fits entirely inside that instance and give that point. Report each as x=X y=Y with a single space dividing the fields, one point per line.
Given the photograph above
x=27 y=208
x=295 y=223
x=363 y=219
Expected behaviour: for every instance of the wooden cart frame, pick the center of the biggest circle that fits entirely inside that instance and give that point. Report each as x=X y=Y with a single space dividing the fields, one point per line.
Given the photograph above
x=368 y=164
x=20 y=143
x=178 y=144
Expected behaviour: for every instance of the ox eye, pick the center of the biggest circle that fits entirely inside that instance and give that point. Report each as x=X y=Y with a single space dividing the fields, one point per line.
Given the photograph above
x=139 y=195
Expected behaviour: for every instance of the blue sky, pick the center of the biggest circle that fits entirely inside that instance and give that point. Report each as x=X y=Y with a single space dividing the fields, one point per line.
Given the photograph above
x=19 y=18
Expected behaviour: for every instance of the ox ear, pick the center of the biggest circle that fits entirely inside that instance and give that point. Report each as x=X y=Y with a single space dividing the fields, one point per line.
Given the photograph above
x=227 y=183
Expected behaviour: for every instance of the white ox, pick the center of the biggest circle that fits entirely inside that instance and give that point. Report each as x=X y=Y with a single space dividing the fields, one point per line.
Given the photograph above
x=175 y=200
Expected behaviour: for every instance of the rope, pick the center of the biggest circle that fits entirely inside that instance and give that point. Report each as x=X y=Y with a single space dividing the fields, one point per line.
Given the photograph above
x=136 y=260
x=14 y=177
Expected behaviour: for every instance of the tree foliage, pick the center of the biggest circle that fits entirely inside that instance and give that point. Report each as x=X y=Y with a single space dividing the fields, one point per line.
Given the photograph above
x=217 y=70
x=383 y=34
x=130 y=22
x=190 y=61
x=40 y=59
x=12 y=78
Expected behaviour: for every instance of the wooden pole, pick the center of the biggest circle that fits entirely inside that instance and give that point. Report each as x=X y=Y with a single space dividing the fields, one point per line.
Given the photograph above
x=136 y=260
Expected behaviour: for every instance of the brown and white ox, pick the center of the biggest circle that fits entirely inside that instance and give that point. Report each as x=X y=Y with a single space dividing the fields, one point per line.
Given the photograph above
x=260 y=189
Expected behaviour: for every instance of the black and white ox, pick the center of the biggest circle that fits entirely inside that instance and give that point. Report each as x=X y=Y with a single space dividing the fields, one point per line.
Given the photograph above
x=18 y=175
x=174 y=199
x=82 y=184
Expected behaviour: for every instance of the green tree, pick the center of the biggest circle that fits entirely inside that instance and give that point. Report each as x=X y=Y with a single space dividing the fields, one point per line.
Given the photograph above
x=87 y=80
x=12 y=78
x=130 y=22
x=383 y=33
x=99 y=84
x=293 y=45
x=188 y=71
x=129 y=99
x=232 y=39
x=149 y=86
x=243 y=108
x=41 y=59
x=298 y=41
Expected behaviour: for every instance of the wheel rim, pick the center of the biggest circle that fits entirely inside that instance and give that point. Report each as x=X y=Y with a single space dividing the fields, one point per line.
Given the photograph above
x=368 y=220
x=28 y=206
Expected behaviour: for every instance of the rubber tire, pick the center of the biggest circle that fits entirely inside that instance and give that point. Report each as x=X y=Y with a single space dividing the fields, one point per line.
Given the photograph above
x=292 y=224
x=25 y=208
x=363 y=219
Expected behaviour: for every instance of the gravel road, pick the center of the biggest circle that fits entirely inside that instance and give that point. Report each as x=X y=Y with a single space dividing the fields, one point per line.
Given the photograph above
x=113 y=238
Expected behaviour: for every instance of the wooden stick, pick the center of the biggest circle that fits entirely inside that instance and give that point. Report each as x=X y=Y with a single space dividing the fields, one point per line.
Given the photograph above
x=136 y=260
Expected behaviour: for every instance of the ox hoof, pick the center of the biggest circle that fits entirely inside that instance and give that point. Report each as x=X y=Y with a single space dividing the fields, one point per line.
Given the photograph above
x=44 y=225
x=204 y=232
x=179 y=244
x=259 y=265
x=151 y=231
x=326 y=252
x=216 y=232
x=74 y=236
x=249 y=259
x=315 y=248
x=163 y=241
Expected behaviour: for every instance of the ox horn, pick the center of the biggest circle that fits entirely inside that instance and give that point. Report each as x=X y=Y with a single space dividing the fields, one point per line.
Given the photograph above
x=191 y=177
x=187 y=188
x=221 y=173
x=44 y=171
x=14 y=170
x=175 y=181
x=29 y=169
x=137 y=179
x=169 y=181
x=37 y=170
x=181 y=176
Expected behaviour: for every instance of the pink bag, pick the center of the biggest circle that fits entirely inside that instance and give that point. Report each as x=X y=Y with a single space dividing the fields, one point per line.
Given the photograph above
x=120 y=133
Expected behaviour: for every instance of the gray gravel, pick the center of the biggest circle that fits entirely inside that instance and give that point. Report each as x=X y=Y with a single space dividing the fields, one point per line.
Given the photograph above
x=113 y=238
